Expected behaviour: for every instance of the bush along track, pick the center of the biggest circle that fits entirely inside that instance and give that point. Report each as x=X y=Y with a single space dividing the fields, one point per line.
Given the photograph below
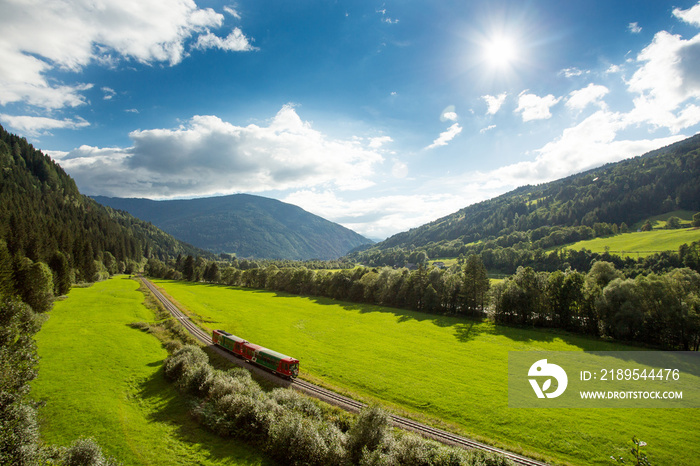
x=294 y=429
x=290 y=427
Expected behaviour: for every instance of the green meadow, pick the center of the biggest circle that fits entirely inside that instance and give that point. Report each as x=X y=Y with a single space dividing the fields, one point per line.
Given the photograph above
x=640 y=244
x=449 y=371
x=99 y=377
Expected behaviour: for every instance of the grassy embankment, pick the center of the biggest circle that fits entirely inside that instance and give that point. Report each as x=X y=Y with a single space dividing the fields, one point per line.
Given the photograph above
x=450 y=369
x=640 y=244
x=102 y=378
x=644 y=243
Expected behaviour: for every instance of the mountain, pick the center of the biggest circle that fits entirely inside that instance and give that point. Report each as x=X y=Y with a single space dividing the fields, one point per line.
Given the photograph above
x=249 y=226
x=45 y=220
x=588 y=203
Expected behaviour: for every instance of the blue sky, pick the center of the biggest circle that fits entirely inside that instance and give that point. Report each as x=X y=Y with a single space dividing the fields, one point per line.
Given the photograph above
x=379 y=115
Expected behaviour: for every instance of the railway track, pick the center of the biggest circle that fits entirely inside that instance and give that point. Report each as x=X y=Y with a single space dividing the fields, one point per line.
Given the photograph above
x=343 y=401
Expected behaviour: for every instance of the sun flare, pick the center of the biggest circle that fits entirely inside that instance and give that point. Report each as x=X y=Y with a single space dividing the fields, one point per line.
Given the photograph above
x=500 y=51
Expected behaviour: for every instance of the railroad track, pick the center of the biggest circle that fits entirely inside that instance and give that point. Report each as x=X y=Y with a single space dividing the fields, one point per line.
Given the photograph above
x=343 y=401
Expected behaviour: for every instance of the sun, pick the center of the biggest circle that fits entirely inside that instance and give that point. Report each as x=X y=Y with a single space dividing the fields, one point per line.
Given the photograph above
x=500 y=51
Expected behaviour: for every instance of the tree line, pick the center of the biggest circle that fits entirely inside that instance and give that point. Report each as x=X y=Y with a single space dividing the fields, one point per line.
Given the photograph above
x=661 y=310
x=538 y=249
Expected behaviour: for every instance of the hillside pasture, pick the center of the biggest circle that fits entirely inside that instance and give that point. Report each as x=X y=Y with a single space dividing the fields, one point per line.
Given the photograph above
x=446 y=370
x=102 y=378
x=640 y=243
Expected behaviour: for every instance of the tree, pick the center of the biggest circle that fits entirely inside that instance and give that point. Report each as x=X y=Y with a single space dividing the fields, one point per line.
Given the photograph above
x=19 y=430
x=601 y=273
x=188 y=268
x=61 y=273
x=621 y=309
x=7 y=287
x=34 y=282
x=673 y=223
x=696 y=220
x=647 y=226
x=566 y=300
x=475 y=285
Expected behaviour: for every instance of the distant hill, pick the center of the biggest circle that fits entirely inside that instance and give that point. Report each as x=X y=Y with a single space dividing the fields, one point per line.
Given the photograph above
x=249 y=226
x=628 y=192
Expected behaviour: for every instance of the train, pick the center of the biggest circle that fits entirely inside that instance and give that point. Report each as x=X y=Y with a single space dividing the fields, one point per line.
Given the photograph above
x=278 y=363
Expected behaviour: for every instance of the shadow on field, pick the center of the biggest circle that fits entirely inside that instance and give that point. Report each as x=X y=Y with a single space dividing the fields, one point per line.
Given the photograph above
x=466 y=329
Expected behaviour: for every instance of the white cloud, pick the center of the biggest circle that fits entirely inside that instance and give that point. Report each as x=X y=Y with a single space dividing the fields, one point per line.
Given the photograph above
x=534 y=107
x=380 y=216
x=589 y=144
x=34 y=125
x=232 y=11
x=208 y=155
x=494 y=102
x=234 y=42
x=589 y=95
x=451 y=116
x=399 y=169
x=634 y=28
x=573 y=72
x=68 y=35
x=379 y=141
x=691 y=15
x=446 y=136
x=488 y=128
x=668 y=78
x=109 y=93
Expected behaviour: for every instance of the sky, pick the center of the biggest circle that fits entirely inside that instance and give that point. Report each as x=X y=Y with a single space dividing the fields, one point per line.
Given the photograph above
x=378 y=115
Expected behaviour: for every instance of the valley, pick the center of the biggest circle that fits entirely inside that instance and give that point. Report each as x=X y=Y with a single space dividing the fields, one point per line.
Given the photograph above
x=438 y=369
x=413 y=199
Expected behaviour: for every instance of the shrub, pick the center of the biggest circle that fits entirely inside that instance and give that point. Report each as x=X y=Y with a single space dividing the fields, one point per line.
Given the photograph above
x=294 y=401
x=239 y=415
x=197 y=380
x=371 y=431
x=295 y=439
x=172 y=346
x=143 y=326
x=86 y=452
x=184 y=359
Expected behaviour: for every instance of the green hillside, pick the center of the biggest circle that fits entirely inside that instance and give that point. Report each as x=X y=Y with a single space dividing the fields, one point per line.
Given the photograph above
x=571 y=209
x=245 y=225
x=640 y=244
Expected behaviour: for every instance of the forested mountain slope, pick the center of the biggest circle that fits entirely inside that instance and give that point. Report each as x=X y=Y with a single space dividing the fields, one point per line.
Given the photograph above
x=249 y=226
x=626 y=192
x=44 y=218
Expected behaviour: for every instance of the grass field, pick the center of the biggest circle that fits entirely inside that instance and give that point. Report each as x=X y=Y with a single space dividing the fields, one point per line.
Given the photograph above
x=640 y=244
x=101 y=378
x=443 y=368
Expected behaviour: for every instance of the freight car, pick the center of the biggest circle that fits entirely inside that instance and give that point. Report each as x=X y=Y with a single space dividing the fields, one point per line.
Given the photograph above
x=272 y=360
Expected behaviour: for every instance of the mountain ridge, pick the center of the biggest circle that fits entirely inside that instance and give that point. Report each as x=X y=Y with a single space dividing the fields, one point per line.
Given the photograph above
x=659 y=181
x=247 y=225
